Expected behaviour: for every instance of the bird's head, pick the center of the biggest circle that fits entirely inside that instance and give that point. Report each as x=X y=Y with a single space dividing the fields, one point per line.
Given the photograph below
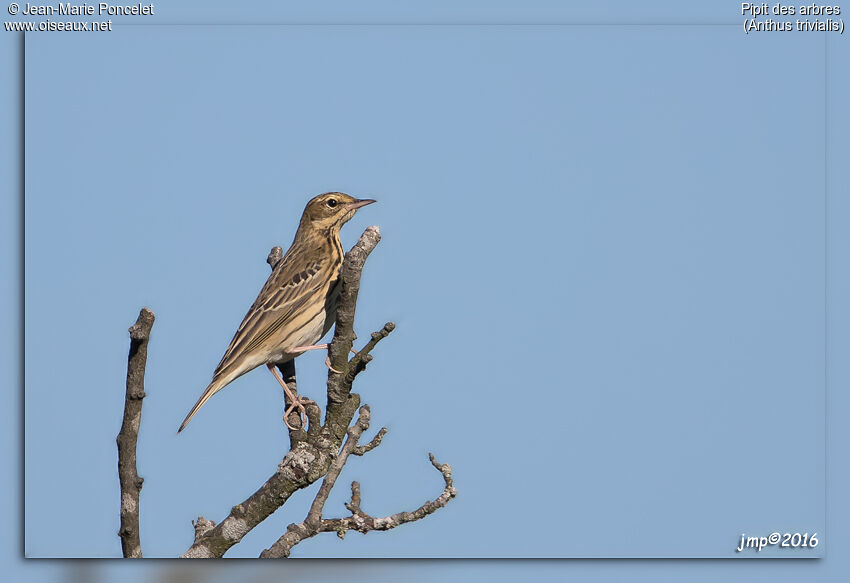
x=331 y=210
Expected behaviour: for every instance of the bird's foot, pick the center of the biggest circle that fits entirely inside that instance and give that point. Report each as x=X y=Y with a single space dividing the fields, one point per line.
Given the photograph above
x=297 y=402
x=294 y=401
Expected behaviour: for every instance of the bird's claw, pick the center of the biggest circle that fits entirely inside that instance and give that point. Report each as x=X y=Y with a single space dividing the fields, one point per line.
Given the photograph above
x=328 y=364
x=298 y=403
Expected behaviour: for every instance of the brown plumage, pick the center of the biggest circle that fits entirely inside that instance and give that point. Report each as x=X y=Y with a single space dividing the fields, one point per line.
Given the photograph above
x=297 y=305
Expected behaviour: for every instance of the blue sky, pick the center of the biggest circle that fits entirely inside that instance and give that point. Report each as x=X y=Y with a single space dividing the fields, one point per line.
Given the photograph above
x=621 y=227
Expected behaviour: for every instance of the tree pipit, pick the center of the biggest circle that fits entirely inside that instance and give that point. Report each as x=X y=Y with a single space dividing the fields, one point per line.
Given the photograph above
x=297 y=305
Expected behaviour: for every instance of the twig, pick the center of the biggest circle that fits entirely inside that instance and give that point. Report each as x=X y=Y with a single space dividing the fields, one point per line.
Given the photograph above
x=362 y=522
x=376 y=441
x=362 y=358
x=314 y=516
x=359 y=520
x=128 y=475
x=305 y=463
x=275 y=255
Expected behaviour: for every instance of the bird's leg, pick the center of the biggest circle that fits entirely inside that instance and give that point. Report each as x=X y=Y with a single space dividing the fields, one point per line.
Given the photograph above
x=300 y=349
x=294 y=400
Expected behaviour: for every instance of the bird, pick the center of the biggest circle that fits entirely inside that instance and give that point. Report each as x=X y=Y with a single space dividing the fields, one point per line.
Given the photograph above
x=297 y=305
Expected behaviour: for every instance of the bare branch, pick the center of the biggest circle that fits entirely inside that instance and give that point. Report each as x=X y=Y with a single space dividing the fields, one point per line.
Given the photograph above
x=305 y=463
x=362 y=522
x=128 y=476
x=362 y=358
x=354 y=505
x=312 y=524
x=314 y=516
x=359 y=520
x=338 y=388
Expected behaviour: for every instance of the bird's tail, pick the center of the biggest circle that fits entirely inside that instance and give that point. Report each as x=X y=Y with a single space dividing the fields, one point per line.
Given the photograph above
x=216 y=385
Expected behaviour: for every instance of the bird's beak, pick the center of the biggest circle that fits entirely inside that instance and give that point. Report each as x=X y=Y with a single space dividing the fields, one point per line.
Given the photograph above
x=361 y=202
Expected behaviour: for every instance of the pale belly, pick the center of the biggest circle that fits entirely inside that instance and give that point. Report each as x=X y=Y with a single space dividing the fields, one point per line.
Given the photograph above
x=310 y=333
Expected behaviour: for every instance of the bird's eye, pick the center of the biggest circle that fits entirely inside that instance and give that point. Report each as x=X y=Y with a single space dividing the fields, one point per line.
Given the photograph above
x=332 y=202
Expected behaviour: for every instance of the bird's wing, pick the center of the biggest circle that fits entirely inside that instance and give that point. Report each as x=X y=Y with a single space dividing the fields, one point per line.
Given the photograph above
x=293 y=284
